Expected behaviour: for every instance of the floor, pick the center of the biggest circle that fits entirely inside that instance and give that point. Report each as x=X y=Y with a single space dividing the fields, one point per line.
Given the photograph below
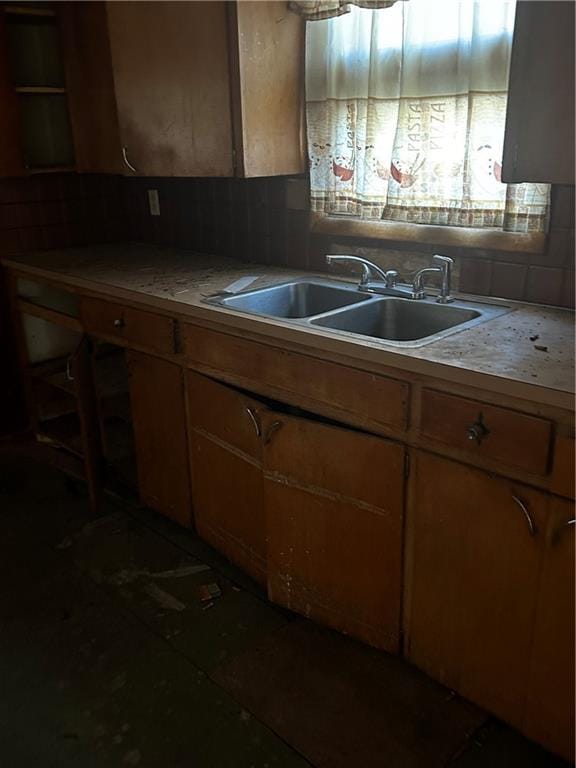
x=110 y=657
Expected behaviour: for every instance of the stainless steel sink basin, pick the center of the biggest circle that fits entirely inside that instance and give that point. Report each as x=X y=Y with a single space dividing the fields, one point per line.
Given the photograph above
x=394 y=319
x=398 y=319
x=294 y=300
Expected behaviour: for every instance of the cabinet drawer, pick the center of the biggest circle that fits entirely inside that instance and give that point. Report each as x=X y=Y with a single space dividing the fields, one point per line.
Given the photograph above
x=486 y=431
x=348 y=393
x=133 y=325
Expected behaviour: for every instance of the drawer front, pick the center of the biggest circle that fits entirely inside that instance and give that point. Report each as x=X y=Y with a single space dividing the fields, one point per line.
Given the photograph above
x=486 y=431
x=224 y=413
x=131 y=325
x=357 y=394
x=562 y=481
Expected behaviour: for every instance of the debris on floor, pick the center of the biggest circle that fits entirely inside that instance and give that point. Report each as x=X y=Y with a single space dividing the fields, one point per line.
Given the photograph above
x=209 y=592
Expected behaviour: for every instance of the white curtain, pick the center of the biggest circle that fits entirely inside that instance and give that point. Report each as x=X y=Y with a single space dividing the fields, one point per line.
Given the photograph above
x=406 y=109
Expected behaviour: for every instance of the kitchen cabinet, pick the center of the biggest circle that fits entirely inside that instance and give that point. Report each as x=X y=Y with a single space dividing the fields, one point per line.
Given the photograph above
x=208 y=88
x=159 y=422
x=550 y=706
x=334 y=511
x=226 y=472
x=475 y=552
x=539 y=135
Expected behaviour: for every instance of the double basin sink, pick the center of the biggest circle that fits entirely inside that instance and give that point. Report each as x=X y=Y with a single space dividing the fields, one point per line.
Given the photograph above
x=395 y=319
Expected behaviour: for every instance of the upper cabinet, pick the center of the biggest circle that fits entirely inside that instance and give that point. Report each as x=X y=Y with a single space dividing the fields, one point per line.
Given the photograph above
x=207 y=88
x=539 y=138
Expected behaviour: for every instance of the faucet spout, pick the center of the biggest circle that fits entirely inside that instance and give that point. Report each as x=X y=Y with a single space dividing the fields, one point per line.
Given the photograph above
x=368 y=267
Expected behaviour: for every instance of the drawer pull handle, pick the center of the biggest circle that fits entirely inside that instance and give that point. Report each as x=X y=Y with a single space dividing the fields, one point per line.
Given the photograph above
x=119 y=323
x=527 y=515
x=476 y=432
x=560 y=529
x=270 y=431
x=254 y=421
x=126 y=161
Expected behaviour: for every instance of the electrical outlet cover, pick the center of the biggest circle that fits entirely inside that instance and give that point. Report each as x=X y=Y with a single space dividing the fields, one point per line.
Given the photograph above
x=154 y=202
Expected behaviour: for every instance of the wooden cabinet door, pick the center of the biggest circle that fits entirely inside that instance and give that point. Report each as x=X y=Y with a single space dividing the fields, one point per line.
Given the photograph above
x=90 y=87
x=170 y=64
x=334 y=509
x=226 y=472
x=550 y=710
x=474 y=553
x=159 y=422
x=539 y=135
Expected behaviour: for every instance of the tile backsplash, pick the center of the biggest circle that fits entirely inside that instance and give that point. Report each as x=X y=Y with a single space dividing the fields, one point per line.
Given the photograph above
x=264 y=220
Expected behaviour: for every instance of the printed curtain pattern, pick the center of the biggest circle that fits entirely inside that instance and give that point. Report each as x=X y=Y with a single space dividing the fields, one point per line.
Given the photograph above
x=406 y=110
x=314 y=10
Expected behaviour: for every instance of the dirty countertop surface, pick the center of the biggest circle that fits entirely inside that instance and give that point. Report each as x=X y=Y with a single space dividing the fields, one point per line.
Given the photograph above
x=499 y=354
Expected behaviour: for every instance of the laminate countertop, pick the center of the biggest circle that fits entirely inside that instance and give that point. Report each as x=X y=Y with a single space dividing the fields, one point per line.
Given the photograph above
x=501 y=355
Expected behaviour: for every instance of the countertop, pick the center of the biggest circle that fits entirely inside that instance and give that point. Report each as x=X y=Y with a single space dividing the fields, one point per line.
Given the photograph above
x=498 y=355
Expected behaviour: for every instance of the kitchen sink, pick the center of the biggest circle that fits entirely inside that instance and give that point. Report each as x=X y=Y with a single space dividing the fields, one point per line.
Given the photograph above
x=294 y=300
x=398 y=319
x=341 y=309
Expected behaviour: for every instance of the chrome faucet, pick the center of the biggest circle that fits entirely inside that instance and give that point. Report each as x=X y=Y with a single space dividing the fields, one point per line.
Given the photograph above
x=444 y=268
x=389 y=277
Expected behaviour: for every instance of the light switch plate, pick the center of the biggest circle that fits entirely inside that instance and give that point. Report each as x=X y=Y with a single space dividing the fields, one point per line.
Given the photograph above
x=154 y=202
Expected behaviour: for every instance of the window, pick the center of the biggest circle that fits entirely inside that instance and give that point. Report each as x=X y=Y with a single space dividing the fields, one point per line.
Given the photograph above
x=406 y=109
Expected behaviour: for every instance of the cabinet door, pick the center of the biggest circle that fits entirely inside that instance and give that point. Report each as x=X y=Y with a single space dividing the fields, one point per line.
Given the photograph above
x=539 y=136
x=550 y=711
x=170 y=64
x=475 y=547
x=159 y=421
x=226 y=471
x=90 y=87
x=334 y=507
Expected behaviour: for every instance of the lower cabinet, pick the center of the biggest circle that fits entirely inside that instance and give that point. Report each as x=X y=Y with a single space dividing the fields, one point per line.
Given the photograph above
x=334 y=510
x=226 y=472
x=159 y=422
x=550 y=708
x=490 y=609
x=312 y=510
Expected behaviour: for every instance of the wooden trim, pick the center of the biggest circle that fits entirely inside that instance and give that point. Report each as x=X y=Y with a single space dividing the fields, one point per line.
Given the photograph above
x=52 y=169
x=36 y=89
x=465 y=237
x=27 y=308
x=20 y=10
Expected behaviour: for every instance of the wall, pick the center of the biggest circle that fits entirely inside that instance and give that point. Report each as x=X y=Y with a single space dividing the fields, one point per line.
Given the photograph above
x=264 y=220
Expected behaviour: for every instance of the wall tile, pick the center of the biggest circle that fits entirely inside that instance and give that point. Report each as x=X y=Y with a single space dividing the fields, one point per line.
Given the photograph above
x=544 y=285
x=508 y=280
x=475 y=276
x=568 y=290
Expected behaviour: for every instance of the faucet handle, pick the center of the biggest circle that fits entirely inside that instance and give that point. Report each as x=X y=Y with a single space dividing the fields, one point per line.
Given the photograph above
x=391 y=276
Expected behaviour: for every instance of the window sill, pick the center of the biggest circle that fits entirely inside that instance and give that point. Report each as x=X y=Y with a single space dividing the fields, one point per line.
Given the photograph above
x=489 y=239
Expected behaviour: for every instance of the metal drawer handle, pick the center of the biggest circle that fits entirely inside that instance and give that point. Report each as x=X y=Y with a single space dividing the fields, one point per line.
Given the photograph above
x=270 y=431
x=254 y=420
x=477 y=431
x=126 y=161
x=119 y=323
x=69 y=375
x=527 y=515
